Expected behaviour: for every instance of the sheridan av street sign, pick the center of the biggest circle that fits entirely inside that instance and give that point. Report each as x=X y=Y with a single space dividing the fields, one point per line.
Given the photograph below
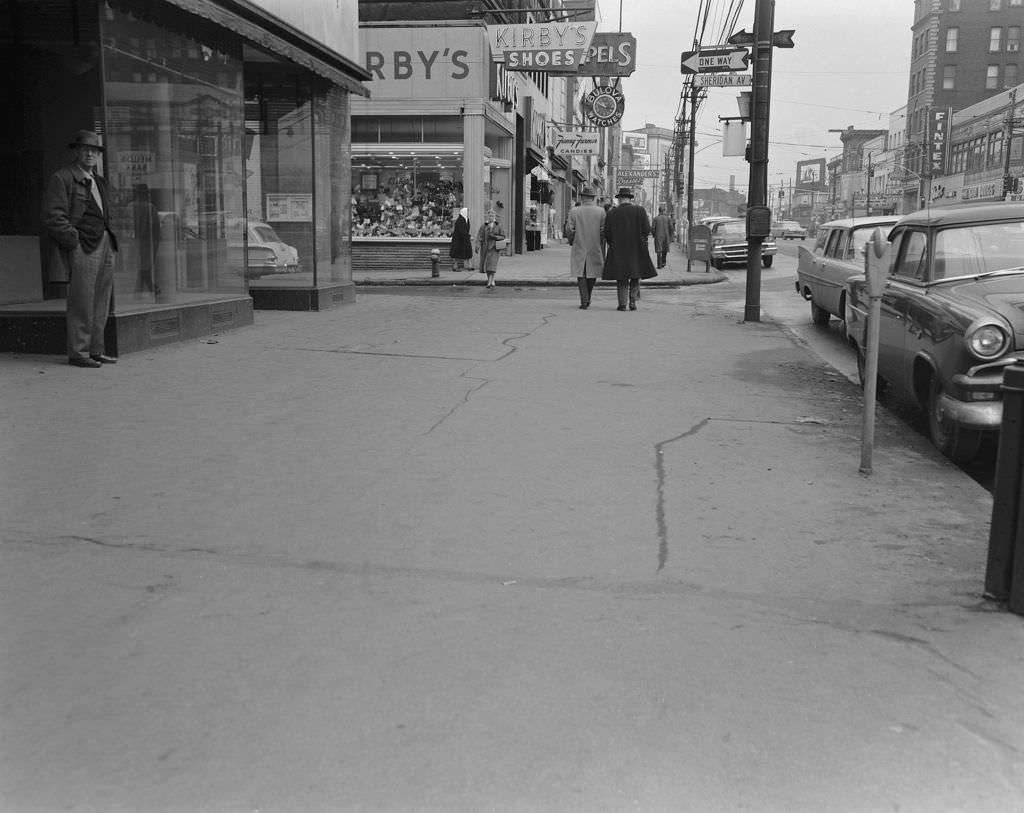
x=723 y=80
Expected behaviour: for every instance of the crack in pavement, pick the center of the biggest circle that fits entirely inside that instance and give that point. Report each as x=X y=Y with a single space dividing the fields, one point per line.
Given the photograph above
x=659 y=469
x=509 y=350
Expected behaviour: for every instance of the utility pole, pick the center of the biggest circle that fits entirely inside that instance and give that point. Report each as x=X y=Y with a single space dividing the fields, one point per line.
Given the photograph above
x=758 y=224
x=867 y=201
x=694 y=101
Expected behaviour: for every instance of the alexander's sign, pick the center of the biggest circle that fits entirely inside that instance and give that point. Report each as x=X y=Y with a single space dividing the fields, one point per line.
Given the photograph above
x=547 y=47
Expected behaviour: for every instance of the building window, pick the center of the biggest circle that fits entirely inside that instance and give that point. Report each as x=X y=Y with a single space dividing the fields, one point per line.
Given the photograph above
x=992 y=78
x=995 y=5
x=949 y=77
x=954 y=5
x=995 y=38
x=1013 y=38
x=952 y=35
x=1010 y=76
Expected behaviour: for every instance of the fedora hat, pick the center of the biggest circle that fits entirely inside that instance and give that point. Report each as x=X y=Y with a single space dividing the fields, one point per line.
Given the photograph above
x=86 y=138
x=587 y=192
x=624 y=192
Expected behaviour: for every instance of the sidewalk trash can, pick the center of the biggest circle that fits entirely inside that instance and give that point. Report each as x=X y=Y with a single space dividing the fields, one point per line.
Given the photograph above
x=1004 y=573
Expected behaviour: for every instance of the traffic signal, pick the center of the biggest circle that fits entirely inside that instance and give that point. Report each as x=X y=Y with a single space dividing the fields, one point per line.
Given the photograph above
x=1009 y=183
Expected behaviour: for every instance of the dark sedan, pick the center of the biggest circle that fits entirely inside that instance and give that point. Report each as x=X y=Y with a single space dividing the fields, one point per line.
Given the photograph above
x=952 y=317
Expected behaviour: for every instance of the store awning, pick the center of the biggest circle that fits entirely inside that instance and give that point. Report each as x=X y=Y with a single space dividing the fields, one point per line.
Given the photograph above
x=273 y=34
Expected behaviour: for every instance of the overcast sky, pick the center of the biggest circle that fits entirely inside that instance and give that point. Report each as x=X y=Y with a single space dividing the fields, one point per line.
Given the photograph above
x=850 y=66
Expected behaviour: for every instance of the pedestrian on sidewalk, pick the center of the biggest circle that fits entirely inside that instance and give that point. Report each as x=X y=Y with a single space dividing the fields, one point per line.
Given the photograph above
x=626 y=229
x=662 y=235
x=461 y=248
x=584 y=229
x=76 y=216
x=487 y=240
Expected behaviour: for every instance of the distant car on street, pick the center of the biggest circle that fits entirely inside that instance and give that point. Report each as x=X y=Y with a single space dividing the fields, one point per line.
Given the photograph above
x=789 y=230
x=952 y=317
x=729 y=244
x=837 y=254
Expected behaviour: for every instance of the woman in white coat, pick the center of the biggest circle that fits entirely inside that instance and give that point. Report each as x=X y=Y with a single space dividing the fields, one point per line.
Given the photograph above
x=584 y=229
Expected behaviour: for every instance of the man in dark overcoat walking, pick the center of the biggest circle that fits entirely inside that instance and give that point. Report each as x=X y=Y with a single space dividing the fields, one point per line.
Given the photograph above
x=626 y=229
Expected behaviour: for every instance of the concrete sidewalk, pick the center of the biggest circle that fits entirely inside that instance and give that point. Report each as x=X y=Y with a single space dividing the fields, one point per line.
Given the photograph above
x=465 y=551
x=549 y=266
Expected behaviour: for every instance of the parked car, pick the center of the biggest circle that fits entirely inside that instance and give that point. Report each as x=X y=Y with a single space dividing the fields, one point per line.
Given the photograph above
x=789 y=230
x=266 y=252
x=952 y=317
x=729 y=244
x=837 y=254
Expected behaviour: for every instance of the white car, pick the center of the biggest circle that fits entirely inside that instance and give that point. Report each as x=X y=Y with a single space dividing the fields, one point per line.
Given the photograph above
x=267 y=253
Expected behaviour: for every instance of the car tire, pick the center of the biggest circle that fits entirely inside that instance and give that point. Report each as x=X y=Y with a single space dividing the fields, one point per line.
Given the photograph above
x=958 y=444
x=767 y=261
x=819 y=315
x=716 y=265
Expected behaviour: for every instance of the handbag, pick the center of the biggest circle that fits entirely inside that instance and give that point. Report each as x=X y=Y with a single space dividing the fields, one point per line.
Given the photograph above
x=500 y=243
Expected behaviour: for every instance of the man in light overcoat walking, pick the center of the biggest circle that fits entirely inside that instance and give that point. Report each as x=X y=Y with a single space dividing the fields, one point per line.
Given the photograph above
x=585 y=230
x=626 y=229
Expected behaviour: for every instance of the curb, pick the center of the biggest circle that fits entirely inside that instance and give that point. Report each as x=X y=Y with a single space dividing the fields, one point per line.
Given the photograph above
x=434 y=282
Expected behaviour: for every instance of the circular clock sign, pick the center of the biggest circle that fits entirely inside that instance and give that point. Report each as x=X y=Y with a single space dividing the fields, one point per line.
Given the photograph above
x=604 y=105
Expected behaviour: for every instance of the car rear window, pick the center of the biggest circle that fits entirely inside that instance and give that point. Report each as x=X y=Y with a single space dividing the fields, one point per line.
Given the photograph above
x=737 y=229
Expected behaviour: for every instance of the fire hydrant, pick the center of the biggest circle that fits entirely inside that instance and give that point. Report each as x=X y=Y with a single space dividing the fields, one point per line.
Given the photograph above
x=435 y=258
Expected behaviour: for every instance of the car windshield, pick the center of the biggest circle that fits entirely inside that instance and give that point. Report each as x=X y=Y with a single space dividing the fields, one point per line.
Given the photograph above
x=977 y=249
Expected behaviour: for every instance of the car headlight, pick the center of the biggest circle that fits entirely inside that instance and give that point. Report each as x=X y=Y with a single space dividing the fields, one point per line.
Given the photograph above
x=987 y=341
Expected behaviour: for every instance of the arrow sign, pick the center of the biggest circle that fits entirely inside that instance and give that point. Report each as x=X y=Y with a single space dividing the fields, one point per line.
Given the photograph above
x=741 y=37
x=714 y=60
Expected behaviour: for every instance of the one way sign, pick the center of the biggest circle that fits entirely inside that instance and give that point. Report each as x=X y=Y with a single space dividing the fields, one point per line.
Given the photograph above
x=714 y=60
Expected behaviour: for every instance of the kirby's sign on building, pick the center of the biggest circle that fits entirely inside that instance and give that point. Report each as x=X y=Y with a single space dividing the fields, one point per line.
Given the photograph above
x=546 y=47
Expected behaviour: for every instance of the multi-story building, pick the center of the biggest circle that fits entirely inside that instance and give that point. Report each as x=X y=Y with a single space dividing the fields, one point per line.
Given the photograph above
x=963 y=51
x=447 y=127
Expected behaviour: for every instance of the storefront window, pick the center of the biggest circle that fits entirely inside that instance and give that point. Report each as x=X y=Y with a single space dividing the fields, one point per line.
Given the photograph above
x=174 y=153
x=404 y=192
x=279 y=182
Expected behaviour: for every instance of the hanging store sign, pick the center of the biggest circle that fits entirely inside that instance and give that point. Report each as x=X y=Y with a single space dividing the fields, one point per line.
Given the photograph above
x=603 y=106
x=545 y=47
x=938 y=139
x=625 y=177
x=577 y=142
x=611 y=53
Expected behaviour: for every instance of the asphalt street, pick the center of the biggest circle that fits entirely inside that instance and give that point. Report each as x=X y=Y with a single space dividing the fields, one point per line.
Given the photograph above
x=452 y=549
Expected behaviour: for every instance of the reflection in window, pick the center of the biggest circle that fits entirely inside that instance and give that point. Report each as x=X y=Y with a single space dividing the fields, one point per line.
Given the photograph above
x=175 y=149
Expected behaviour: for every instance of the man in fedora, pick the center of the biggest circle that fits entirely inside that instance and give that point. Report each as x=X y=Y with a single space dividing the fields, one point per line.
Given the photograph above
x=626 y=229
x=76 y=215
x=585 y=230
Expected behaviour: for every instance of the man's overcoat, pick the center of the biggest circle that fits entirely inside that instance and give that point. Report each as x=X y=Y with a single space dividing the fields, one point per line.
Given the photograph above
x=626 y=229
x=585 y=226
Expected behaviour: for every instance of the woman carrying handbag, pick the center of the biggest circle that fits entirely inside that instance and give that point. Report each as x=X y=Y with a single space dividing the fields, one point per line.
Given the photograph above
x=490 y=242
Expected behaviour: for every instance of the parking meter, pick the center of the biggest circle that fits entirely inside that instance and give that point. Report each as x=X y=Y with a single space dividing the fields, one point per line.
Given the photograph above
x=875 y=265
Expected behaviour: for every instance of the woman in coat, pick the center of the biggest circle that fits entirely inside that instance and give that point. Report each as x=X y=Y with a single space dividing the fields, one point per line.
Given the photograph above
x=461 y=248
x=486 y=240
x=626 y=229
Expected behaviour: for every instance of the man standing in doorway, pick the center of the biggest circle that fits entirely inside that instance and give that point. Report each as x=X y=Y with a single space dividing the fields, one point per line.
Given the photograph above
x=76 y=214
x=626 y=229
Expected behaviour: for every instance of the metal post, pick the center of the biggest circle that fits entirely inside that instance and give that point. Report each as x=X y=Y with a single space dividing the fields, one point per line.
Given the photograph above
x=1006 y=493
x=757 y=195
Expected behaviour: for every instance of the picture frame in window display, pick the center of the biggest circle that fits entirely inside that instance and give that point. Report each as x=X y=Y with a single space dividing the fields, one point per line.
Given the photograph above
x=369 y=181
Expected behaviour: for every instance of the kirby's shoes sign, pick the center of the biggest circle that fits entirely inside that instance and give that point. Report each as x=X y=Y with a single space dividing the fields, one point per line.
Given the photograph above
x=545 y=47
